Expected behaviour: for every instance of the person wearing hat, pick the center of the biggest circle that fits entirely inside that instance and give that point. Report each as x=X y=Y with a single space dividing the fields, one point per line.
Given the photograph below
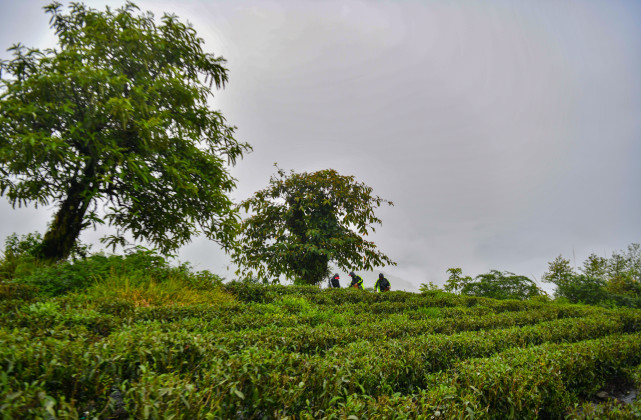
x=357 y=281
x=382 y=284
x=334 y=282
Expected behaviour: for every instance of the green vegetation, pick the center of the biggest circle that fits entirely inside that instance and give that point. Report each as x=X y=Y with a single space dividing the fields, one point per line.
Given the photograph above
x=495 y=284
x=609 y=282
x=113 y=126
x=614 y=281
x=302 y=222
x=118 y=116
x=133 y=337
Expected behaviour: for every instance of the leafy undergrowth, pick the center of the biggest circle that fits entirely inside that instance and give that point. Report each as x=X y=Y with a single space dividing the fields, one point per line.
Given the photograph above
x=130 y=337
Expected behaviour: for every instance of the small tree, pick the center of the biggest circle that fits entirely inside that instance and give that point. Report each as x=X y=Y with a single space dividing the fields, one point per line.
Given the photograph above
x=624 y=271
x=583 y=289
x=429 y=287
x=615 y=280
x=456 y=282
x=595 y=267
x=617 y=265
x=633 y=255
x=114 y=126
x=302 y=222
x=559 y=272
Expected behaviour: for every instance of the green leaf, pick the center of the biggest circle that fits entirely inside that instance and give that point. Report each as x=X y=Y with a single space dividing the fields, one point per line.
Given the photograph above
x=238 y=393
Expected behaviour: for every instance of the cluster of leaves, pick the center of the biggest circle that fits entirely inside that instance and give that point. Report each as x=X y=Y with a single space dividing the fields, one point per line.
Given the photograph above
x=166 y=342
x=614 y=281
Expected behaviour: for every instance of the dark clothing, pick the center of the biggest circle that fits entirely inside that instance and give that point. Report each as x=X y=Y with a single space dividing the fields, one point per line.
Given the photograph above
x=357 y=282
x=382 y=285
x=334 y=282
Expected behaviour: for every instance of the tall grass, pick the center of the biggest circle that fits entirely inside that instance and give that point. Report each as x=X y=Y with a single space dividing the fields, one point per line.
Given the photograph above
x=144 y=290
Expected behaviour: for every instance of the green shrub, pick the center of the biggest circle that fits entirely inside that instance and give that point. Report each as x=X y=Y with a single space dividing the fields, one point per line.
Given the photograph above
x=18 y=255
x=248 y=292
x=583 y=289
x=13 y=291
x=70 y=276
x=61 y=278
x=121 y=308
x=538 y=382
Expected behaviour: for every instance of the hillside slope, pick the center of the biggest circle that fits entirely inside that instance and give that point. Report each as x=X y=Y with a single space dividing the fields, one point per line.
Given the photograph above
x=173 y=344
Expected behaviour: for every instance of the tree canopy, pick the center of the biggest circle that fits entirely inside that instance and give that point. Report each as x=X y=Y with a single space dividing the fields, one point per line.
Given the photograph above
x=113 y=126
x=302 y=222
x=494 y=284
x=613 y=281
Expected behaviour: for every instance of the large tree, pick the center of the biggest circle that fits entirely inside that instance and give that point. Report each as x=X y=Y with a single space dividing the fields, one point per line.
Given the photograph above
x=302 y=222
x=113 y=126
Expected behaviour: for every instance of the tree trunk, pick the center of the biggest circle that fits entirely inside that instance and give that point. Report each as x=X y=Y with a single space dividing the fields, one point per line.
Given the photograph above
x=68 y=222
x=67 y=225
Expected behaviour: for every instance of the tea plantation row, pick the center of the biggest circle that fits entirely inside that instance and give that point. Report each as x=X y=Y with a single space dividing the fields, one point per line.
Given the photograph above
x=148 y=347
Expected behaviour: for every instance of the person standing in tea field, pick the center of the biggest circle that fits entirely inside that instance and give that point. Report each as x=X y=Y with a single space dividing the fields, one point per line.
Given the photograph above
x=382 y=284
x=357 y=281
x=334 y=282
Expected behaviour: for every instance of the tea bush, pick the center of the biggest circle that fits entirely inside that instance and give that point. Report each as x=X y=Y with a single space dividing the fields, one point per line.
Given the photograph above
x=132 y=337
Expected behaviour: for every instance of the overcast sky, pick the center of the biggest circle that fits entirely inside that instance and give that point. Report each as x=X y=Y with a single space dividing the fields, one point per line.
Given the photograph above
x=505 y=132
